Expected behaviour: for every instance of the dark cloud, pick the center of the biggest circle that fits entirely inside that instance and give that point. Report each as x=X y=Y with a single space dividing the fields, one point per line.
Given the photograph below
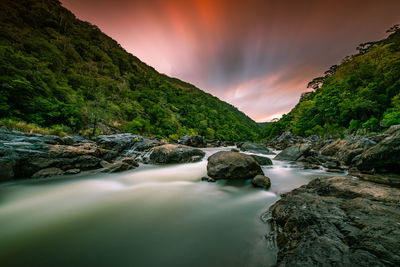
x=256 y=54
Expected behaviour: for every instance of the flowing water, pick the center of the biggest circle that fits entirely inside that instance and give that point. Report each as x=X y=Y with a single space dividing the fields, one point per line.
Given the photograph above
x=150 y=216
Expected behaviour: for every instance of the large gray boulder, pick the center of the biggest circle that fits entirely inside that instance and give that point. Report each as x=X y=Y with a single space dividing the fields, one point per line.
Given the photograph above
x=293 y=153
x=338 y=221
x=383 y=157
x=255 y=148
x=170 y=153
x=346 y=149
x=232 y=165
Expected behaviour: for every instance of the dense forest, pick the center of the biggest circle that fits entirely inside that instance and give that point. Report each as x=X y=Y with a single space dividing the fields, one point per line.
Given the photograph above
x=62 y=73
x=360 y=95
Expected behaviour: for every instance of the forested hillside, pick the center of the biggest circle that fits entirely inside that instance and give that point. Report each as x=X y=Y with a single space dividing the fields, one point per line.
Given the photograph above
x=59 y=72
x=361 y=94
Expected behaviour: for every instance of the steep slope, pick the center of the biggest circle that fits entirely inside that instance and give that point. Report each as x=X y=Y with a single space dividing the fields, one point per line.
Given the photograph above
x=363 y=92
x=58 y=70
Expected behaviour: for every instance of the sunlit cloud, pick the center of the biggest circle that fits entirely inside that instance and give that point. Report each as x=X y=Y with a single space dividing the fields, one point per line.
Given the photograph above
x=257 y=55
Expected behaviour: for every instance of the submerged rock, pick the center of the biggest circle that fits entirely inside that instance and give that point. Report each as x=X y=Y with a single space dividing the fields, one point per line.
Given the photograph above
x=338 y=222
x=255 y=148
x=207 y=179
x=175 y=154
x=261 y=181
x=232 y=165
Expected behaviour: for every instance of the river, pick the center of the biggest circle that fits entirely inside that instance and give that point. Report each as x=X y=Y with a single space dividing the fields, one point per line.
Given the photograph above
x=150 y=216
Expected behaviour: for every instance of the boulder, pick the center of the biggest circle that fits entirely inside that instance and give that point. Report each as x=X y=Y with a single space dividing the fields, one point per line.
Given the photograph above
x=255 y=148
x=116 y=142
x=192 y=140
x=345 y=150
x=170 y=153
x=261 y=181
x=293 y=153
x=232 y=165
x=49 y=172
x=384 y=157
x=262 y=160
x=338 y=221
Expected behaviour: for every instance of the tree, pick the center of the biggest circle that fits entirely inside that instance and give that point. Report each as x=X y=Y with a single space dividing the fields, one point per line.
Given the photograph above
x=393 y=29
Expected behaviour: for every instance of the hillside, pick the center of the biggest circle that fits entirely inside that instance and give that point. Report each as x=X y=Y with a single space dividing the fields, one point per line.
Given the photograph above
x=59 y=72
x=361 y=94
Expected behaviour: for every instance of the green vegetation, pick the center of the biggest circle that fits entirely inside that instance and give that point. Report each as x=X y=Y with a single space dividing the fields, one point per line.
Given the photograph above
x=33 y=128
x=361 y=94
x=58 y=70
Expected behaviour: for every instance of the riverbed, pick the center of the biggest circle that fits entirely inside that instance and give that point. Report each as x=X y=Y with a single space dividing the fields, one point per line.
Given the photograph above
x=150 y=216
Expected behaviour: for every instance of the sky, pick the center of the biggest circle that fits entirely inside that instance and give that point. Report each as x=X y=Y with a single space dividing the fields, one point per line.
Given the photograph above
x=257 y=55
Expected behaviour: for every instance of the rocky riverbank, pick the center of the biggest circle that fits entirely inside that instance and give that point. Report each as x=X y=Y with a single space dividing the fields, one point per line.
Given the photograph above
x=338 y=222
x=34 y=156
x=341 y=221
x=373 y=157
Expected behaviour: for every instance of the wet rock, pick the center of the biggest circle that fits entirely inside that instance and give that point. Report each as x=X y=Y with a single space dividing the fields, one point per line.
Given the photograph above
x=6 y=169
x=143 y=144
x=49 y=172
x=338 y=222
x=234 y=150
x=334 y=170
x=293 y=153
x=310 y=166
x=255 y=148
x=207 y=179
x=130 y=161
x=72 y=171
x=232 y=165
x=175 y=154
x=345 y=150
x=192 y=140
x=385 y=178
x=383 y=157
x=262 y=160
x=118 y=166
x=332 y=164
x=261 y=181
x=116 y=142
x=286 y=139
x=213 y=143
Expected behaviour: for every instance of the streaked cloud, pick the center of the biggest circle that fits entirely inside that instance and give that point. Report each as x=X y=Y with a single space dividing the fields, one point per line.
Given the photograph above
x=257 y=54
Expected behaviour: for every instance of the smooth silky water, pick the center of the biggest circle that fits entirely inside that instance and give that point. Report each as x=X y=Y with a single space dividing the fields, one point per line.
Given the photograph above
x=150 y=216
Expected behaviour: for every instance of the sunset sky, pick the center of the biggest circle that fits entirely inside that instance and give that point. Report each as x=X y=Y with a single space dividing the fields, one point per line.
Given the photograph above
x=258 y=55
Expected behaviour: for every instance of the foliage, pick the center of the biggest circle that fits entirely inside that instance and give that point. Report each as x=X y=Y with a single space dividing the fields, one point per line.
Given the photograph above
x=60 y=130
x=362 y=93
x=58 y=70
